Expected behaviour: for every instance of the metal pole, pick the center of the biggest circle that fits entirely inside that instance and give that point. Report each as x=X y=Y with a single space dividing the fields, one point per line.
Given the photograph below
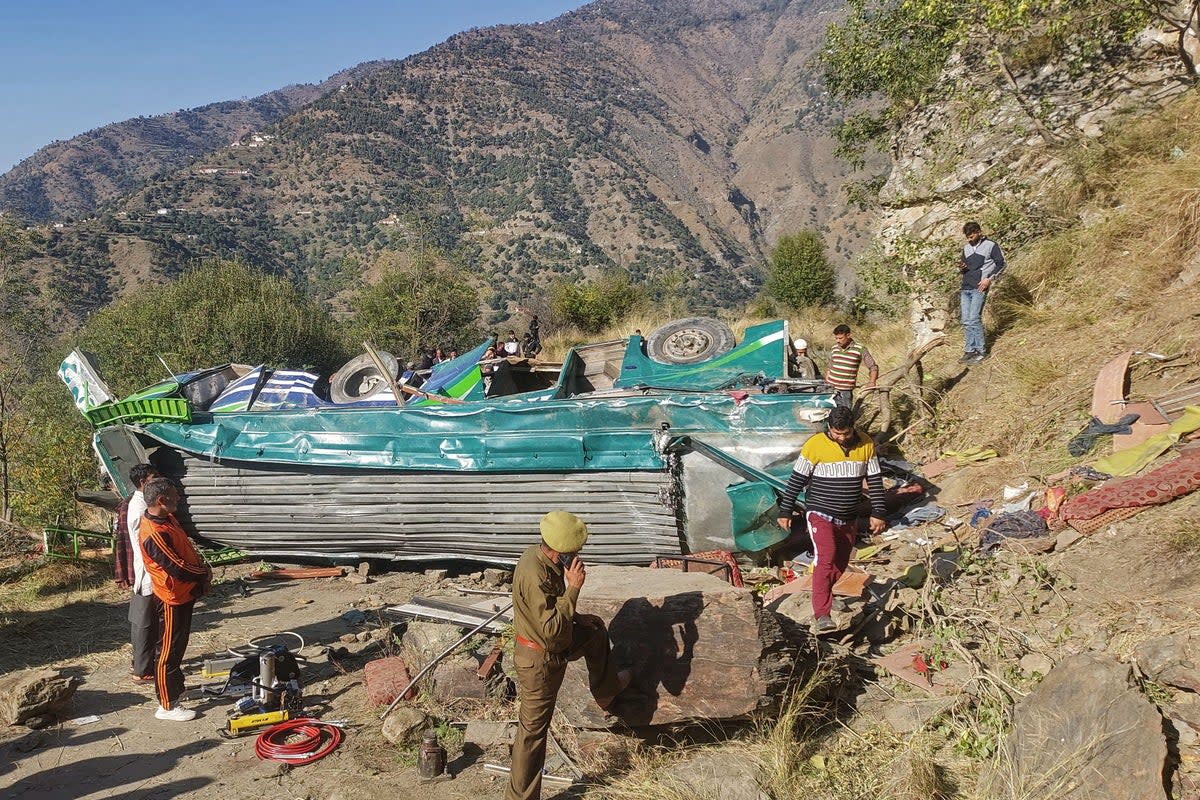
x=443 y=654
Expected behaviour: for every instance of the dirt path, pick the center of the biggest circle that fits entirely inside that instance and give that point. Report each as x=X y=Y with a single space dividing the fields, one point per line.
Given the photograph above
x=130 y=754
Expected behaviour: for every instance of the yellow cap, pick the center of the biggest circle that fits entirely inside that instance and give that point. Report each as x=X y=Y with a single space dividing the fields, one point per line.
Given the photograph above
x=563 y=532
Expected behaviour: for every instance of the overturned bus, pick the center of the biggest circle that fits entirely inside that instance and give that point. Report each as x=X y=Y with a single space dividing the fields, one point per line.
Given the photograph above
x=672 y=444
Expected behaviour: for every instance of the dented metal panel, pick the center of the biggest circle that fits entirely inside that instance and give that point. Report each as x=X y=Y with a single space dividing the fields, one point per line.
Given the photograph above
x=352 y=513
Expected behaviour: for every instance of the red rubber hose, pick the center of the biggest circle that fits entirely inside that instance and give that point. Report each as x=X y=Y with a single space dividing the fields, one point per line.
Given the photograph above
x=298 y=741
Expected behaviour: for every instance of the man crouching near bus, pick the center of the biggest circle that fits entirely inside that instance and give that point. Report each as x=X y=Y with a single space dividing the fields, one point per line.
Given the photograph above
x=833 y=465
x=546 y=584
x=180 y=576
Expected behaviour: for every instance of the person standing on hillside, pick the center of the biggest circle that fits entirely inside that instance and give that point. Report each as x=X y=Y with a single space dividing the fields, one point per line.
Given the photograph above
x=180 y=577
x=546 y=584
x=833 y=465
x=844 y=360
x=980 y=266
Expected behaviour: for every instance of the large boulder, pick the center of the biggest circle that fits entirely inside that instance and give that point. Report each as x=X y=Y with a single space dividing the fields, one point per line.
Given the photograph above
x=699 y=649
x=34 y=693
x=1083 y=732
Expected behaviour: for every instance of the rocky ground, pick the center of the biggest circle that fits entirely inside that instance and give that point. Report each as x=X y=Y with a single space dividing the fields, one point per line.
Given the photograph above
x=1116 y=610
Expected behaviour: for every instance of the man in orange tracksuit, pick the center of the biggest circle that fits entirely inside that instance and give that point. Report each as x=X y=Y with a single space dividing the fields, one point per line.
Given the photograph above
x=179 y=576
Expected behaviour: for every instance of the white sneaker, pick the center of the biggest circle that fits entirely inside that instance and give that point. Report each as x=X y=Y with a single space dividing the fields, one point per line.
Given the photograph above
x=176 y=713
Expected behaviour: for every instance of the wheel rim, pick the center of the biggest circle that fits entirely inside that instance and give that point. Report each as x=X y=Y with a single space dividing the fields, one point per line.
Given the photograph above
x=687 y=343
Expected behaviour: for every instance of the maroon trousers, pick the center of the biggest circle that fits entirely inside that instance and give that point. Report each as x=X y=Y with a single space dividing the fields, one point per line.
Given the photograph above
x=833 y=543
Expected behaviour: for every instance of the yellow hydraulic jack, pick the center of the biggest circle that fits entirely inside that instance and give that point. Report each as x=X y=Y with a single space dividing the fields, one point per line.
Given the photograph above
x=249 y=723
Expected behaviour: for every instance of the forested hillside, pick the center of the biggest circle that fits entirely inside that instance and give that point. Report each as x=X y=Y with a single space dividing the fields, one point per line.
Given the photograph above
x=673 y=143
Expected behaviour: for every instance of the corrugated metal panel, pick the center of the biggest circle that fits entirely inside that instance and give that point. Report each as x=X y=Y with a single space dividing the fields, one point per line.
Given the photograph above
x=352 y=513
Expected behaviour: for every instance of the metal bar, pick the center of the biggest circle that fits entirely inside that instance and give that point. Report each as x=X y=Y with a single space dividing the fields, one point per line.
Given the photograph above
x=442 y=655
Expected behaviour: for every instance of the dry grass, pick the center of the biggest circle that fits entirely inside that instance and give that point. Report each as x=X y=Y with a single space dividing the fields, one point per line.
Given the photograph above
x=1075 y=298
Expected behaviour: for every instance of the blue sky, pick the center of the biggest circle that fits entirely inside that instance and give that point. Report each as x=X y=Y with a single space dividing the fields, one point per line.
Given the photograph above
x=67 y=66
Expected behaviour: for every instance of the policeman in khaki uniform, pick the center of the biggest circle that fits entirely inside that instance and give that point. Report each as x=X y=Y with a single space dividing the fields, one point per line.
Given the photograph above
x=546 y=584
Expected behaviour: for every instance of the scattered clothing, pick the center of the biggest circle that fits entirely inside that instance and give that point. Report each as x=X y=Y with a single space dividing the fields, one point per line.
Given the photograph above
x=1161 y=485
x=1016 y=525
x=1134 y=460
x=915 y=516
x=1083 y=442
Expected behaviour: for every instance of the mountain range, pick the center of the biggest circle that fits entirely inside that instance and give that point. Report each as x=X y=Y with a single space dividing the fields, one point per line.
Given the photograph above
x=676 y=140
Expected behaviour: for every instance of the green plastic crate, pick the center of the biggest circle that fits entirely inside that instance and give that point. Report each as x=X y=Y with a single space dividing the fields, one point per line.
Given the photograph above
x=149 y=409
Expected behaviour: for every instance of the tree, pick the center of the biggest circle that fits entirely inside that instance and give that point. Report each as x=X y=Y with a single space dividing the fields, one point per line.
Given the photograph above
x=218 y=313
x=800 y=274
x=212 y=315
x=23 y=331
x=421 y=301
x=593 y=306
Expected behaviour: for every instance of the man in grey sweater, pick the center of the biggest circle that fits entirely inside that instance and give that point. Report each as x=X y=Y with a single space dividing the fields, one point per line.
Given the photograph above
x=981 y=263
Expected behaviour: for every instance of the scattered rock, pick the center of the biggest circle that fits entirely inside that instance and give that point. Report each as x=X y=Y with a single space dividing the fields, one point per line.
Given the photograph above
x=437 y=574
x=458 y=677
x=699 y=649
x=1083 y=732
x=364 y=568
x=354 y=617
x=405 y=725
x=384 y=678
x=1066 y=538
x=29 y=742
x=1036 y=664
x=348 y=638
x=363 y=636
x=1171 y=660
x=485 y=733
x=497 y=577
x=355 y=577
x=475 y=576
x=910 y=716
x=846 y=611
x=34 y=693
x=424 y=641
x=717 y=775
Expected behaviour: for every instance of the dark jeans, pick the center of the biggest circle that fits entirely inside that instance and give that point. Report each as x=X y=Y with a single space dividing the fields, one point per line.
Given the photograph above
x=145 y=612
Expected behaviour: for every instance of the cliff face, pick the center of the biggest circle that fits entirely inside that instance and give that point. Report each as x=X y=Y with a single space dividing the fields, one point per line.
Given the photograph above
x=993 y=142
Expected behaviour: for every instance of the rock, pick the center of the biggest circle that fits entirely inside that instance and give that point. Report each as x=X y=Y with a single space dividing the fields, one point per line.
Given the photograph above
x=356 y=577
x=497 y=577
x=486 y=733
x=405 y=725
x=716 y=775
x=437 y=574
x=348 y=638
x=364 y=568
x=362 y=636
x=384 y=678
x=1036 y=664
x=34 y=693
x=910 y=716
x=699 y=648
x=846 y=612
x=458 y=677
x=354 y=617
x=424 y=641
x=1083 y=732
x=1171 y=660
x=1066 y=538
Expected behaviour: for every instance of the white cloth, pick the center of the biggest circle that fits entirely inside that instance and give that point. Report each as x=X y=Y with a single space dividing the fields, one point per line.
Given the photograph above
x=141 y=579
